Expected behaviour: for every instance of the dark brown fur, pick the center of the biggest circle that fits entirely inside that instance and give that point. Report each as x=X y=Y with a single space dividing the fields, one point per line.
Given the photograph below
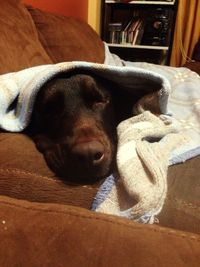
x=74 y=122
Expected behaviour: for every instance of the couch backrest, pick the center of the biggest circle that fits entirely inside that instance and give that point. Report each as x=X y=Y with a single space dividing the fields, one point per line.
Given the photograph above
x=19 y=44
x=66 y=38
x=30 y=37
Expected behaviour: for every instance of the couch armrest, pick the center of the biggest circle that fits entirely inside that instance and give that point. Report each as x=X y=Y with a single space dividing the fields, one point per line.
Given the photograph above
x=35 y=234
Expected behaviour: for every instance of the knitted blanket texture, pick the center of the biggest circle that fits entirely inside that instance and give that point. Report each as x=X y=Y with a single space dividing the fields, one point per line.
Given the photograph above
x=149 y=144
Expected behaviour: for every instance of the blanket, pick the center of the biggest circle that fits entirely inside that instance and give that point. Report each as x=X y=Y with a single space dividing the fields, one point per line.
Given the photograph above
x=146 y=141
x=22 y=88
x=139 y=188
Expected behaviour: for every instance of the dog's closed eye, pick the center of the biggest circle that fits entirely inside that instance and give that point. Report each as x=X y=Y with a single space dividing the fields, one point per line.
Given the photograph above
x=94 y=96
x=55 y=104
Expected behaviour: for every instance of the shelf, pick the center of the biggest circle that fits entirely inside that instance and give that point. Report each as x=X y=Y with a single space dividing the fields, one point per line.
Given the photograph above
x=148 y=34
x=139 y=2
x=139 y=46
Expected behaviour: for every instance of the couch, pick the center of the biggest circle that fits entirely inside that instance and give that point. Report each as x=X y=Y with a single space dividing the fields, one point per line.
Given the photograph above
x=45 y=221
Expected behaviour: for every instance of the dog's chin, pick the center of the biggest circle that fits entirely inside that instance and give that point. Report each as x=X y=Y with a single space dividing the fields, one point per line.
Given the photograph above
x=82 y=175
x=86 y=178
x=74 y=172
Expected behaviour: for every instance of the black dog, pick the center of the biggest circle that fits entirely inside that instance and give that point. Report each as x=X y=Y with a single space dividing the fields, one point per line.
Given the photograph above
x=75 y=121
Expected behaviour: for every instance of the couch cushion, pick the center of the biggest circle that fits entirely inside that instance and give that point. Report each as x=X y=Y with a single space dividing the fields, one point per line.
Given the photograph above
x=66 y=38
x=19 y=44
x=25 y=175
x=182 y=206
x=26 y=185
x=18 y=151
x=35 y=234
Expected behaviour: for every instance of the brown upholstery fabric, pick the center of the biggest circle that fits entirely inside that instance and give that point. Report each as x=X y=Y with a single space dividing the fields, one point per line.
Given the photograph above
x=20 y=184
x=33 y=234
x=19 y=44
x=182 y=209
x=25 y=175
x=56 y=235
x=20 y=152
x=66 y=38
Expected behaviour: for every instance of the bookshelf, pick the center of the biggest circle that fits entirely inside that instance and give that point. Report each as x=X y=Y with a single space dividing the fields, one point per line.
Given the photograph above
x=139 y=30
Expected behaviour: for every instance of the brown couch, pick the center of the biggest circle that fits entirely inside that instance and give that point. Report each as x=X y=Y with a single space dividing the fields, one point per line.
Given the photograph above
x=46 y=222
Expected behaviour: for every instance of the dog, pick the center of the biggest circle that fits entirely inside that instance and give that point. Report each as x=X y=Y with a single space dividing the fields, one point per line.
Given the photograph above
x=74 y=121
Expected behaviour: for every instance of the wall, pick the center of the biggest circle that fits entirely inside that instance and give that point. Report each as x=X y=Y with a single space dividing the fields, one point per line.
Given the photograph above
x=72 y=8
x=94 y=9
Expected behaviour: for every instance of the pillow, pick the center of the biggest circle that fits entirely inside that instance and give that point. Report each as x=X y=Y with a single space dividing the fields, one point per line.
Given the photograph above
x=19 y=44
x=67 y=38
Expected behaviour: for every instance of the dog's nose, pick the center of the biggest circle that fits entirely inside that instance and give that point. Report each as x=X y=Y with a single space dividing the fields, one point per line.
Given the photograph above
x=90 y=153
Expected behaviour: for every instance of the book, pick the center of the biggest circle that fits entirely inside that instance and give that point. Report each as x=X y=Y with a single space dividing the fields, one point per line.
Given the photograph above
x=132 y=30
x=124 y=34
x=115 y=30
x=139 y=33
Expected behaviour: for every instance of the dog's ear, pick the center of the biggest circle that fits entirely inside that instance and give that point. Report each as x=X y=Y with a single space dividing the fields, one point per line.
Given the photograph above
x=48 y=107
x=53 y=104
x=50 y=99
x=94 y=91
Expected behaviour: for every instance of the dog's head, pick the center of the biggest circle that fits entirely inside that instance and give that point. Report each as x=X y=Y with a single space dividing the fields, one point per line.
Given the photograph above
x=75 y=127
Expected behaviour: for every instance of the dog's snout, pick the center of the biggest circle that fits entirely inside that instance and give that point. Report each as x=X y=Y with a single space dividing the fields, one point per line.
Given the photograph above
x=90 y=153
